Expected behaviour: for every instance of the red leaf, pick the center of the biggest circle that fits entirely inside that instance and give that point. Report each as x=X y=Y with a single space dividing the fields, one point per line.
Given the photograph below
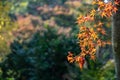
x=81 y=62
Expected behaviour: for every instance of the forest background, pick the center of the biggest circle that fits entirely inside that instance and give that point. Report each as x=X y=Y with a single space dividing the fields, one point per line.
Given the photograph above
x=40 y=33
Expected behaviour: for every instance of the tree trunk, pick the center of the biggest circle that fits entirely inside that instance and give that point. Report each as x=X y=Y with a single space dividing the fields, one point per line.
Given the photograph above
x=116 y=41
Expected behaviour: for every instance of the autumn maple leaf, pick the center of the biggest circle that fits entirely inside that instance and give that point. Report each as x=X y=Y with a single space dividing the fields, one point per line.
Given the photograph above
x=70 y=57
x=93 y=12
x=81 y=62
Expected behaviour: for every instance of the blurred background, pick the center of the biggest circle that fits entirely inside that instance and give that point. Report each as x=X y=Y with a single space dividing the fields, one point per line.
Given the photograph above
x=36 y=36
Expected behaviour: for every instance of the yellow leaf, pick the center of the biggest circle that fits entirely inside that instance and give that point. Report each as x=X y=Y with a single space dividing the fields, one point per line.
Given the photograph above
x=92 y=13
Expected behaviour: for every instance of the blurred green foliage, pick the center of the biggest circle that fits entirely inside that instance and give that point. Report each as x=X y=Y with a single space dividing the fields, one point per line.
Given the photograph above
x=99 y=72
x=41 y=57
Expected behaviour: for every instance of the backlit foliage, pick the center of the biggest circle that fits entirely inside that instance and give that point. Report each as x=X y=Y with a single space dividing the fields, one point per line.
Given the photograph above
x=5 y=21
x=89 y=39
x=7 y=25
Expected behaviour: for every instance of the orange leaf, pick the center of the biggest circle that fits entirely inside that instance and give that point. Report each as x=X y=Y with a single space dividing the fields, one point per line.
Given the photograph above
x=103 y=14
x=92 y=13
x=116 y=2
x=70 y=57
x=81 y=62
x=115 y=9
x=92 y=57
